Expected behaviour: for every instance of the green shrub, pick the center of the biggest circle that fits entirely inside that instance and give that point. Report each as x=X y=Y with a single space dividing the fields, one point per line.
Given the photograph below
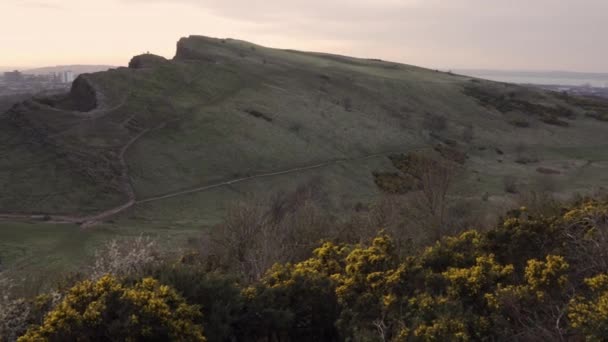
x=219 y=295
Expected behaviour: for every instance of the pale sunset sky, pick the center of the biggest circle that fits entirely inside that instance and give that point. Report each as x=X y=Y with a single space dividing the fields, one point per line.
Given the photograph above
x=493 y=34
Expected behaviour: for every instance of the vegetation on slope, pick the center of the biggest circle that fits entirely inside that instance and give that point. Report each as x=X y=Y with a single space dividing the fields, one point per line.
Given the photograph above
x=530 y=278
x=223 y=109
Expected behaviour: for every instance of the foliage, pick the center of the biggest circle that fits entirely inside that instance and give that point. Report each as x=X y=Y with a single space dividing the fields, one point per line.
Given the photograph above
x=590 y=313
x=128 y=257
x=17 y=315
x=254 y=236
x=532 y=278
x=219 y=295
x=430 y=180
x=106 y=309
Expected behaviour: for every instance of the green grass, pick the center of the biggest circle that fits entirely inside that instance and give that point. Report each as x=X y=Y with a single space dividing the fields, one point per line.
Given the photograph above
x=37 y=255
x=195 y=115
x=41 y=254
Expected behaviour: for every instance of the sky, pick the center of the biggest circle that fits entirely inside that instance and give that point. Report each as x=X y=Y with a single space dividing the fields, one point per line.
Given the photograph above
x=456 y=34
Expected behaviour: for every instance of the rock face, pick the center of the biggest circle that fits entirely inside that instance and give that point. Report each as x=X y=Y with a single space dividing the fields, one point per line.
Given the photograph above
x=83 y=95
x=146 y=61
x=206 y=49
x=187 y=49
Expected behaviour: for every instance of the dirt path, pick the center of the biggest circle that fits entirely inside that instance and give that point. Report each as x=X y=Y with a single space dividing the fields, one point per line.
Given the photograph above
x=126 y=184
x=262 y=175
x=96 y=219
x=55 y=219
x=127 y=188
x=89 y=221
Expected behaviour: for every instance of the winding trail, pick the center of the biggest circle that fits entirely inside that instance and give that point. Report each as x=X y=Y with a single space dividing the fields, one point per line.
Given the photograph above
x=127 y=187
x=89 y=221
x=126 y=184
x=262 y=175
x=96 y=219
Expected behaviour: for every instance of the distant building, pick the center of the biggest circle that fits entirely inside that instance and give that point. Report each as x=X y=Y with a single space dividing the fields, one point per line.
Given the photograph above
x=68 y=76
x=64 y=76
x=13 y=76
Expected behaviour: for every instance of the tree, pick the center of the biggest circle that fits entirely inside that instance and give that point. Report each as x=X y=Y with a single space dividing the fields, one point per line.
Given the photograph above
x=258 y=233
x=433 y=179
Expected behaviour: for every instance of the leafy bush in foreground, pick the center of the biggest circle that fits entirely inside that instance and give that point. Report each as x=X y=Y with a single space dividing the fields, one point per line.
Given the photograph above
x=108 y=310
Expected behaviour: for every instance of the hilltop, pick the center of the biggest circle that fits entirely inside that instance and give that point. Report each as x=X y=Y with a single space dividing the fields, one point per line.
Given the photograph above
x=166 y=144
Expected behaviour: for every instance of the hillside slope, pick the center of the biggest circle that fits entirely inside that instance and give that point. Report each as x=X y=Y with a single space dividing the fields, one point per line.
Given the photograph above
x=171 y=142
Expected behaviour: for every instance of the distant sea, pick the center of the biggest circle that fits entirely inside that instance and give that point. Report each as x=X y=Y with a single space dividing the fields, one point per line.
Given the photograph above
x=565 y=78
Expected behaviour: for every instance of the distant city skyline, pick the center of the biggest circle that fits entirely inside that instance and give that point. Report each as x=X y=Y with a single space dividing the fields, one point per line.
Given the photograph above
x=543 y=35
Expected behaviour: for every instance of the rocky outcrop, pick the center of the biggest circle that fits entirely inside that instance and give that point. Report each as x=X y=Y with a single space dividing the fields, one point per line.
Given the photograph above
x=83 y=96
x=147 y=60
x=201 y=48
x=185 y=50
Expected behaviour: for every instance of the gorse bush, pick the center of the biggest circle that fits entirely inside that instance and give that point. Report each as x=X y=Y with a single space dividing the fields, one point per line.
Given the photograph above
x=514 y=282
x=108 y=310
x=590 y=314
x=218 y=294
x=531 y=278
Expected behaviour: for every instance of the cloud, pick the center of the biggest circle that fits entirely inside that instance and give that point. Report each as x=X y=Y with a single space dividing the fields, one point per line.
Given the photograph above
x=278 y=10
x=514 y=30
x=376 y=10
x=522 y=34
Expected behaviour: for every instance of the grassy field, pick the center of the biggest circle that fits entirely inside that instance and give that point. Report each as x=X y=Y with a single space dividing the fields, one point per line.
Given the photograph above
x=226 y=109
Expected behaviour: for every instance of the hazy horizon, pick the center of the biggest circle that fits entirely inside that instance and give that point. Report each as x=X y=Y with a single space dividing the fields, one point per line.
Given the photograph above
x=468 y=71
x=469 y=34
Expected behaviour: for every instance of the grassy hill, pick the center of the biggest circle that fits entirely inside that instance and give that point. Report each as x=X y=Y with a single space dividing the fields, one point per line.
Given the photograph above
x=163 y=146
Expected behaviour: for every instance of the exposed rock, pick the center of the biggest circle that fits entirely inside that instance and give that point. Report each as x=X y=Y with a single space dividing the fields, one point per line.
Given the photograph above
x=83 y=95
x=194 y=47
x=211 y=50
x=147 y=60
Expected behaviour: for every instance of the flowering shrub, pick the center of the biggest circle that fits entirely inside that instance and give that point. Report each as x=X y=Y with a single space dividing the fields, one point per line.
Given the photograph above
x=589 y=314
x=108 y=310
x=515 y=280
x=530 y=278
x=128 y=257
